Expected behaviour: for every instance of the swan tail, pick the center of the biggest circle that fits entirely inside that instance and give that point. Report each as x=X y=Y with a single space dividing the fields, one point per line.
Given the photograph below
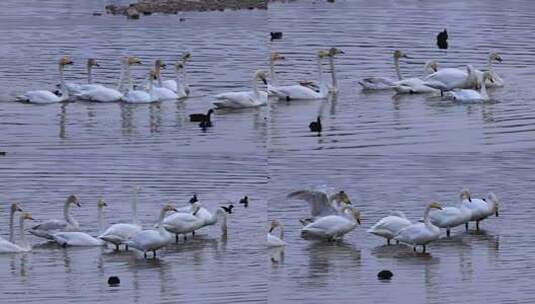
x=375 y=83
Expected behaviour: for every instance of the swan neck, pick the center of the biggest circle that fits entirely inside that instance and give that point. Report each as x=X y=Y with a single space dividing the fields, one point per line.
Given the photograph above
x=134 y=206
x=323 y=86
x=120 y=86
x=100 y=220
x=281 y=234
x=255 y=86
x=184 y=73
x=89 y=74
x=489 y=64
x=21 y=230
x=67 y=215
x=333 y=74
x=63 y=88
x=274 y=80
x=426 y=216
x=11 y=226
x=398 y=71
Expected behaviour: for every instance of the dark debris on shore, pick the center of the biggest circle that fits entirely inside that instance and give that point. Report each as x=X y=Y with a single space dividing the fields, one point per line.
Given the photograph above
x=147 y=7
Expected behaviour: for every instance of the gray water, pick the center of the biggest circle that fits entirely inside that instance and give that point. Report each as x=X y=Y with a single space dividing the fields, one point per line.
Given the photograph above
x=388 y=152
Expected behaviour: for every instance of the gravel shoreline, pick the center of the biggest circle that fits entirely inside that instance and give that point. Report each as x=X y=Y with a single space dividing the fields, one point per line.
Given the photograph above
x=147 y=7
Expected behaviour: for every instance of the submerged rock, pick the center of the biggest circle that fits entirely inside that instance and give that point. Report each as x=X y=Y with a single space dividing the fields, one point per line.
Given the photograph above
x=147 y=7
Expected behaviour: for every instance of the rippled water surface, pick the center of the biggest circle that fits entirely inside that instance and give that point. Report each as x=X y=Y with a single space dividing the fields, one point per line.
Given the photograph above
x=387 y=152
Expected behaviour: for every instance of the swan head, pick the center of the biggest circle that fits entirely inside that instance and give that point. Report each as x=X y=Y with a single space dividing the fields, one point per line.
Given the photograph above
x=153 y=75
x=274 y=224
x=435 y=205
x=495 y=57
x=179 y=65
x=16 y=207
x=431 y=65
x=92 y=62
x=465 y=195
x=353 y=211
x=399 y=54
x=276 y=56
x=26 y=216
x=168 y=208
x=335 y=51
x=341 y=196
x=101 y=204
x=133 y=60
x=73 y=199
x=262 y=75
x=65 y=60
x=159 y=64
x=186 y=57
x=491 y=197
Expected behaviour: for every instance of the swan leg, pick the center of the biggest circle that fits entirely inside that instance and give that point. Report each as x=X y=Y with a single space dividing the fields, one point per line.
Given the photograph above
x=397 y=242
x=176 y=237
x=193 y=234
x=466 y=226
x=448 y=232
x=414 y=248
x=185 y=237
x=154 y=254
x=477 y=225
x=423 y=251
x=145 y=254
x=441 y=93
x=388 y=242
x=126 y=247
x=287 y=98
x=116 y=247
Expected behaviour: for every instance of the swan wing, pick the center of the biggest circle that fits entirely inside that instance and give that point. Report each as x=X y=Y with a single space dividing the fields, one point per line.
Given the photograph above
x=329 y=226
x=51 y=225
x=447 y=79
x=294 y=92
x=317 y=201
x=39 y=97
x=389 y=226
x=273 y=241
x=76 y=239
x=100 y=94
x=119 y=233
x=170 y=84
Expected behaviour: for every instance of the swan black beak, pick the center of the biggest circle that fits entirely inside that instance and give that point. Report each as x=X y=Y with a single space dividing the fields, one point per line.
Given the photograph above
x=358 y=221
x=78 y=204
x=271 y=229
x=264 y=81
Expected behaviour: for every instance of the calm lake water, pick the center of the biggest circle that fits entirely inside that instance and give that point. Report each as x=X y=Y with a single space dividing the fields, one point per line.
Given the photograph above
x=388 y=153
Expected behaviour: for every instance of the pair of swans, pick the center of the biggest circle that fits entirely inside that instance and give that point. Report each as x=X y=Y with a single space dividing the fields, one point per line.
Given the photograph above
x=192 y=218
x=9 y=246
x=180 y=87
x=400 y=85
x=47 y=97
x=332 y=215
x=302 y=92
x=91 y=91
x=244 y=99
x=273 y=240
x=481 y=208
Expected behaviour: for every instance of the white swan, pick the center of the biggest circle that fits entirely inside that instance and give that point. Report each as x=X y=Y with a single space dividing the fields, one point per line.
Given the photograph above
x=118 y=234
x=415 y=85
x=301 y=92
x=471 y=95
x=183 y=223
x=180 y=87
x=152 y=240
x=94 y=92
x=48 y=228
x=213 y=219
x=272 y=240
x=450 y=217
x=384 y=83
x=389 y=226
x=321 y=204
x=481 y=208
x=244 y=99
x=332 y=227
x=141 y=96
x=158 y=91
x=82 y=239
x=334 y=80
x=14 y=208
x=11 y=247
x=46 y=97
x=420 y=233
x=495 y=80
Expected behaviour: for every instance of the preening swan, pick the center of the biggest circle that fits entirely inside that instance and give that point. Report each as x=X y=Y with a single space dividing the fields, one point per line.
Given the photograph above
x=321 y=204
x=332 y=227
x=449 y=217
x=184 y=223
x=82 y=239
x=389 y=226
x=471 y=95
x=152 y=240
x=44 y=96
x=180 y=87
x=481 y=208
x=246 y=99
x=420 y=233
x=272 y=240
x=48 y=228
x=118 y=234
x=214 y=218
x=94 y=92
x=158 y=91
x=23 y=246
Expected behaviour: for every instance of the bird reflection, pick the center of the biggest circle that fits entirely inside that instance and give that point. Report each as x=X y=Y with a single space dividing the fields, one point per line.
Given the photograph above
x=62 y=120
x=155 y=111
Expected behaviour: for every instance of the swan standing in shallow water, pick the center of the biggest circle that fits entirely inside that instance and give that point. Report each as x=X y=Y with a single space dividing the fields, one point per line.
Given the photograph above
x=24 y=246
x=95 y=92
x=158 y=91
x=420 y=233
x=48 y=228
x=332 y=227
x=82 y=239
x=152 y=240
x=180 y=87
x=44 y=96
x=450 y=217
x=184 y=223
x=321 y=204
x=389 y=226
x=118 y=234
x=272 y=240
x=244 y=99
x=481 y=208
